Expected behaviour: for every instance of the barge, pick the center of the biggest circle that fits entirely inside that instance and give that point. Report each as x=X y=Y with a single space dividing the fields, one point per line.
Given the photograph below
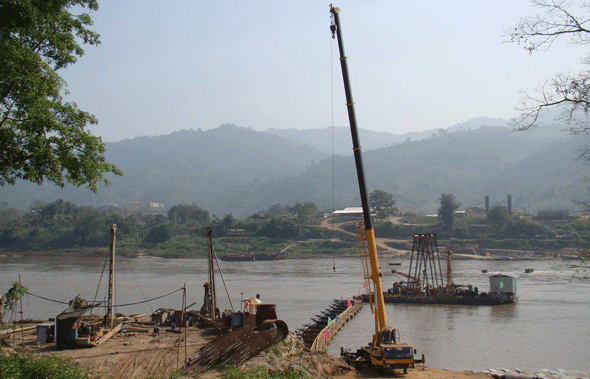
x=425 y=283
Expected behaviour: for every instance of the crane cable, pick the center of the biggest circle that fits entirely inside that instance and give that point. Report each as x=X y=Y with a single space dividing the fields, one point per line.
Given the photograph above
x=104 y=306
x=332 y=100
x=332 y=105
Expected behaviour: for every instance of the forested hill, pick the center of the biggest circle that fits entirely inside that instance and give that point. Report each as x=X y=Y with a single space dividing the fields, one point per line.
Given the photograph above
x=187 y=166
x=539 y=170
x=241 y=171
x=337 y=139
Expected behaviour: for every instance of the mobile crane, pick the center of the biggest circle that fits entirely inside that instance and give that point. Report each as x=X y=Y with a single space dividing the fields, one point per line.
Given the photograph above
x=386 y=351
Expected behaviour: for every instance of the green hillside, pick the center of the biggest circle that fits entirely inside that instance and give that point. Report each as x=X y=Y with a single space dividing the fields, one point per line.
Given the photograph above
x=241 y=171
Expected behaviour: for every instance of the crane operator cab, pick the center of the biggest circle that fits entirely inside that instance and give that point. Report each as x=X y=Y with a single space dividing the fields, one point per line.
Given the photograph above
x=390 y=335
x=389 y=350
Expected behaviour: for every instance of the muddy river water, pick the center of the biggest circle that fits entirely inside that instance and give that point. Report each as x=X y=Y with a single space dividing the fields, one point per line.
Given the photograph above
x=549 y=327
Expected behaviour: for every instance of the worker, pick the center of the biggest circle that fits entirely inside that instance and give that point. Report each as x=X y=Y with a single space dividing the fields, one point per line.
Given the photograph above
x=252 y=303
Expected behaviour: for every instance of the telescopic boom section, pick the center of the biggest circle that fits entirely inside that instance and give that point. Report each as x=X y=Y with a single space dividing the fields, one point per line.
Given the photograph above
x=369 y=232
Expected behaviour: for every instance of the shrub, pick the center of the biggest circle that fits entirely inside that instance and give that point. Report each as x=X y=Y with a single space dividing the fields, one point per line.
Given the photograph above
x=25 y=366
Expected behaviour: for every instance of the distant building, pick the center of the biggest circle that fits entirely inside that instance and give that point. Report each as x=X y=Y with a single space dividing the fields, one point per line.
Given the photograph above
x=350 y=212
x=459 y=214
x=155 y=205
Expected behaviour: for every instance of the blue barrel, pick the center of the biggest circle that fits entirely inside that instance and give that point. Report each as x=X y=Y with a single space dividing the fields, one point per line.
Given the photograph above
x=236 y=320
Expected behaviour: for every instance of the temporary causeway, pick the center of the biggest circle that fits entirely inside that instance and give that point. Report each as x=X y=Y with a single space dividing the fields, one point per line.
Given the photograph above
x=325 y=326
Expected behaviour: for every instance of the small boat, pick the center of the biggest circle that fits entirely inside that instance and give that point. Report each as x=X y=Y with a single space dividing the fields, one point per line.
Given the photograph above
x=395 y=264
x=528 y=270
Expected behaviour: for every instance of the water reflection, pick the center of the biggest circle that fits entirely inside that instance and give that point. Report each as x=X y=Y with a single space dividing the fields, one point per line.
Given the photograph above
x=503 y=313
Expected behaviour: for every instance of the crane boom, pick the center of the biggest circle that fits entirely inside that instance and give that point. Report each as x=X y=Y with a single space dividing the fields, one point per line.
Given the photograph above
x=387 y=349
x=369 y=231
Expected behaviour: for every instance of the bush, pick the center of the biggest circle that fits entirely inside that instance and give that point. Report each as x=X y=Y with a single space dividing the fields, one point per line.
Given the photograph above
x=24 y=366
x=263 y=373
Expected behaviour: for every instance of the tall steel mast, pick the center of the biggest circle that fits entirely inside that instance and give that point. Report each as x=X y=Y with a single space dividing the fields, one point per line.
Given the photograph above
x=369 y=232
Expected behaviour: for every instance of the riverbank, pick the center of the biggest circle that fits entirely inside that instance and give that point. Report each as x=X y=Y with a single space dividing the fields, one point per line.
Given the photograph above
x=140 y=354
x=384 y=253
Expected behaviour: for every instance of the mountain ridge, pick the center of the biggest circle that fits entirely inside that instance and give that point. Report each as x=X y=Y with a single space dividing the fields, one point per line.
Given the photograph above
x=237 y=170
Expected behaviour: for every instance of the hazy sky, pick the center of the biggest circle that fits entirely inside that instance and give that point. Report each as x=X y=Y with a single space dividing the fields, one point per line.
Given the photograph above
x=414 y=65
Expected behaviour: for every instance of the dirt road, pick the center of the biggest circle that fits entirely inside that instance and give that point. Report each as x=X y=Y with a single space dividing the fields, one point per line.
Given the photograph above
x=382 y=247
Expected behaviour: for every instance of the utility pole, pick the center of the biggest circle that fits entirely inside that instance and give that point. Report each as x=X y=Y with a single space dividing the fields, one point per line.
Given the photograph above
x=109 y=320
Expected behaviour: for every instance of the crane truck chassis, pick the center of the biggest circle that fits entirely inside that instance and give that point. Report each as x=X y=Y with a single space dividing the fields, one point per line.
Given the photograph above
x=389 y=353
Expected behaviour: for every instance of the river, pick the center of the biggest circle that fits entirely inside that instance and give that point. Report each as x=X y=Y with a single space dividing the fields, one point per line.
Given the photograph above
x=549 y=327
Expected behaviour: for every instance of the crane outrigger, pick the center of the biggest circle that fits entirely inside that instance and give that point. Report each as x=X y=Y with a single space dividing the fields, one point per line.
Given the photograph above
x=386 y=350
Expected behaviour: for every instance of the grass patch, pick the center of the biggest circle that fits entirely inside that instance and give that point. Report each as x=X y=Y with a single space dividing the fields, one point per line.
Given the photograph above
x=23 y=366
x=263 y=373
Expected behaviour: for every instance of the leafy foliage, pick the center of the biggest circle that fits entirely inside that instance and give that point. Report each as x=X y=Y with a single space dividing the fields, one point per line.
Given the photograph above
x=498 y=218
x=382 y=203
x=263 y=373
x=28 y=367
x=277 y=210
x=62 y=228
x=446 y=211
x=185 y=213
x=41 y=136
x=282 y=228
x=558 y=19
x=303 y=211
x=12 y=296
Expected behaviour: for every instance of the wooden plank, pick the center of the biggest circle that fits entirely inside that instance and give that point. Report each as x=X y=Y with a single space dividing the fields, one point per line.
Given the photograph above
x=105 y=337
x=18 y=329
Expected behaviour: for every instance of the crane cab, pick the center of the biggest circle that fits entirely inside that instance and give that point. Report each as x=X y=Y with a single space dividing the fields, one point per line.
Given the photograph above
x=390 y=336
x=388 y=350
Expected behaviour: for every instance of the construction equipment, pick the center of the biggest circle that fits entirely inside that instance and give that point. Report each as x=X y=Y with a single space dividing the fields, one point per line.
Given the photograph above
x=386 y=351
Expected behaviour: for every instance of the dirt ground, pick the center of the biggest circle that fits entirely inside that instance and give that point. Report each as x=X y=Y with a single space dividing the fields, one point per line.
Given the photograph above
x=140 y=354
x=135 y=354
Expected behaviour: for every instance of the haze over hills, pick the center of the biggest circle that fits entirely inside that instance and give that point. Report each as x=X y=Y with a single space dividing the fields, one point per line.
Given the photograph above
x=186 y=166
x=539 y=172
x=242 y=171
x=338 y=137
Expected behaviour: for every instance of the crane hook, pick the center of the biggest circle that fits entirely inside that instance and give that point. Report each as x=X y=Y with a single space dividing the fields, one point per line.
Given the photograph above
x=333 y=24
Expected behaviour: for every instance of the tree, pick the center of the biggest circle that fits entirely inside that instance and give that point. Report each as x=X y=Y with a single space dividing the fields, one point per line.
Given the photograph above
x=446 y=212
x=228 y=221
x=382 y=203
x=279 y=228
x=559 y=19
x=182 y=213
x=12 y=296
x=42 y=137
x=303 y=211
x=158 y=234
x=498 y=218
x=276 y=210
